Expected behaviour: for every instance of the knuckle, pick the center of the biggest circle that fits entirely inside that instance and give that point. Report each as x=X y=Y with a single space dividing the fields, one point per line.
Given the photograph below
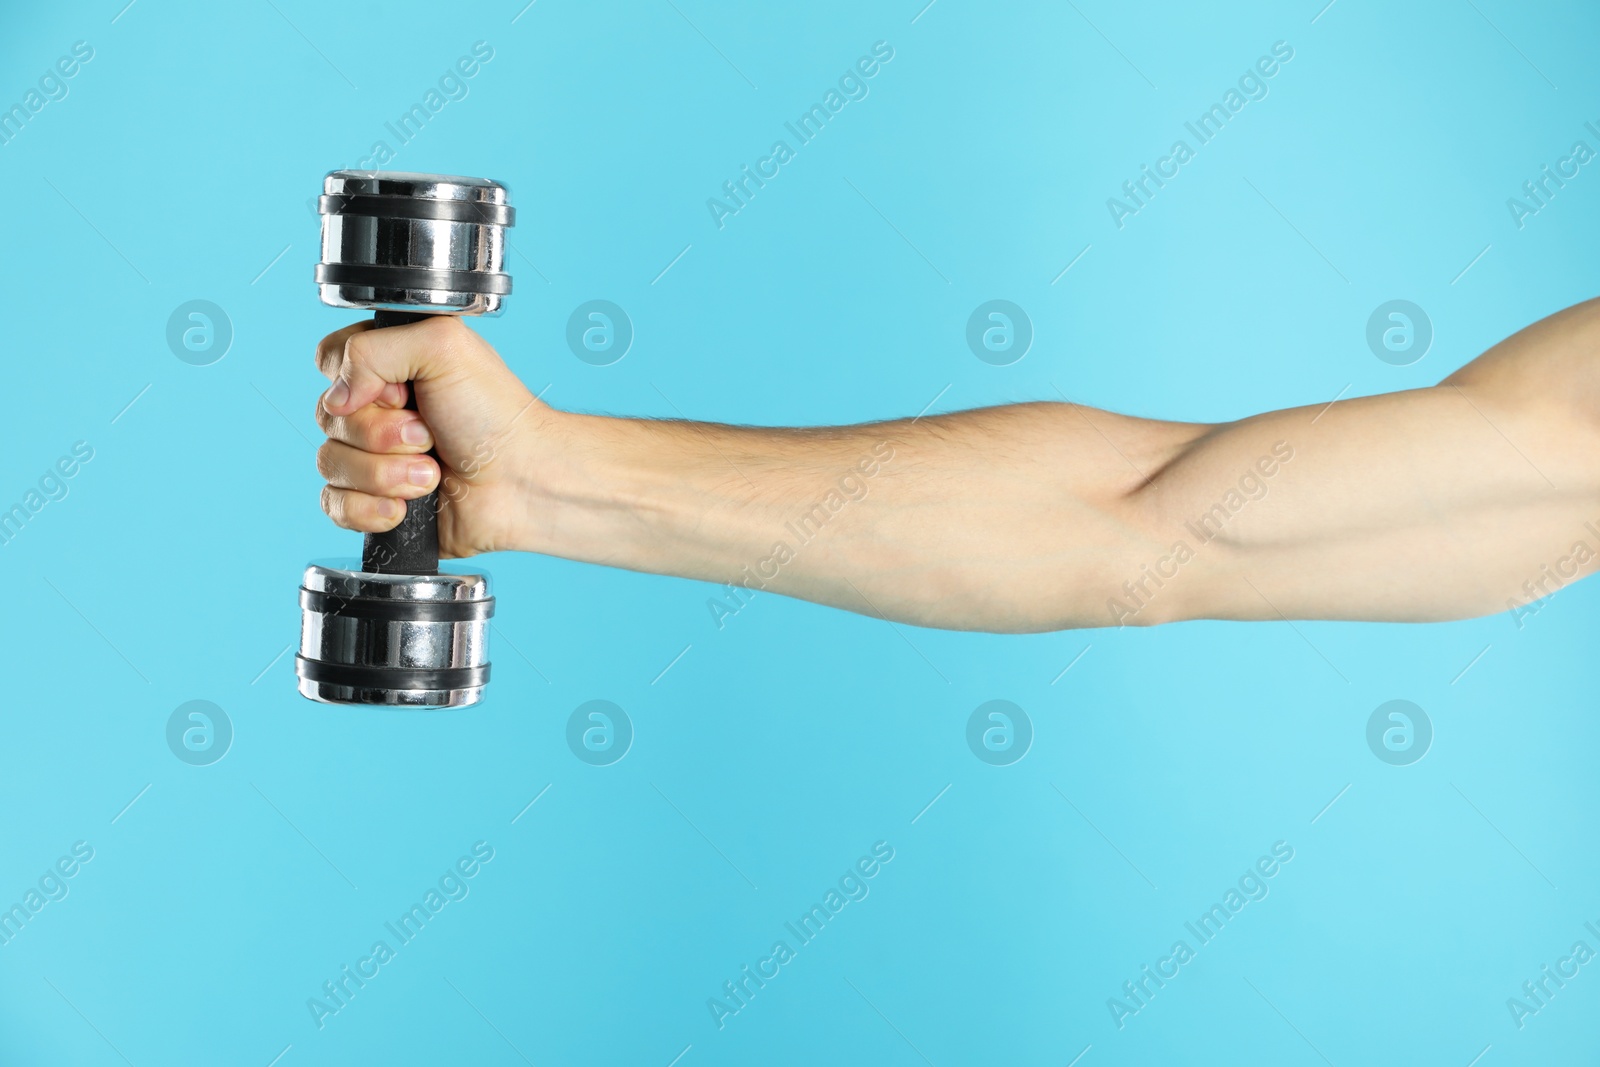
x=346 y=428
x=442 y=338
x=392 y=429
x=369 y=428
x=357 y=349
x=383 y=435
x=326 y=464
x=444 y=325
x=446 y=336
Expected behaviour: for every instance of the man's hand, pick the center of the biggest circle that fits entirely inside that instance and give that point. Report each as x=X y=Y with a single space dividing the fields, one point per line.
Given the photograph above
x=471 y=409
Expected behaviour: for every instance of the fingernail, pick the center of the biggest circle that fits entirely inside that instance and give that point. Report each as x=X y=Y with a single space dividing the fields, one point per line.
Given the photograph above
x=414 y=432
x=336 y=395
x=390 y=508
x=420 y=473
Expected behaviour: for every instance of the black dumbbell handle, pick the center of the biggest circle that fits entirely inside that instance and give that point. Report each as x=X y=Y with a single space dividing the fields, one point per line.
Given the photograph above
x=413 y=546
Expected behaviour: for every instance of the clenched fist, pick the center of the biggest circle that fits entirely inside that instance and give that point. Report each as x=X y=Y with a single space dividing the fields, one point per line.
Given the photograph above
x=470 y=408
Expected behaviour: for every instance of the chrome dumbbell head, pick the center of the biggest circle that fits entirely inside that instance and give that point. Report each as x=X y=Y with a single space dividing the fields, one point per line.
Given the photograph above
x=398 y=639
x=393 y=630
x=429 y=243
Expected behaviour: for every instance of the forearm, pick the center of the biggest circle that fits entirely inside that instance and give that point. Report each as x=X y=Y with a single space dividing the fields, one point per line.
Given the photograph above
x=1003 y=519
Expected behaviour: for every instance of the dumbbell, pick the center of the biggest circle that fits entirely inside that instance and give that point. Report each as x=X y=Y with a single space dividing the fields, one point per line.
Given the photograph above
x=398 y=631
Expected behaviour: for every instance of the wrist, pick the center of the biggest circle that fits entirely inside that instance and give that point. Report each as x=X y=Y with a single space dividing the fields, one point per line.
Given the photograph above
x=636 y=493
x=584 y=486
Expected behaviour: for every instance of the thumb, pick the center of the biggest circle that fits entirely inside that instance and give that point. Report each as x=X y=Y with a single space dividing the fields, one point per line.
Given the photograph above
x=373 y=360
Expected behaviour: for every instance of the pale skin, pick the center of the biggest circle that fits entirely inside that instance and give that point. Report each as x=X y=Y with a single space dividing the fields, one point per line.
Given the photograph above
x=1462 y=499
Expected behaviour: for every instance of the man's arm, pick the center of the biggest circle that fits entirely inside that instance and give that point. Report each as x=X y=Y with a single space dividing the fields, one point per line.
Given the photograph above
x=1430 y=504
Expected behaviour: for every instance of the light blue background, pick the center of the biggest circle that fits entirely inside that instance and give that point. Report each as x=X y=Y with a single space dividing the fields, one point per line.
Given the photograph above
x=776 y=751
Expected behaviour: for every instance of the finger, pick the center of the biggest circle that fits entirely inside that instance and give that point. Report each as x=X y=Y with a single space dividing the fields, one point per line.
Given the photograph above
x=374 y=359
x=330 y=350
x=378 y=429
x=403 y=477
x=360 y=511
x=393 y=395
x=330 y=356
